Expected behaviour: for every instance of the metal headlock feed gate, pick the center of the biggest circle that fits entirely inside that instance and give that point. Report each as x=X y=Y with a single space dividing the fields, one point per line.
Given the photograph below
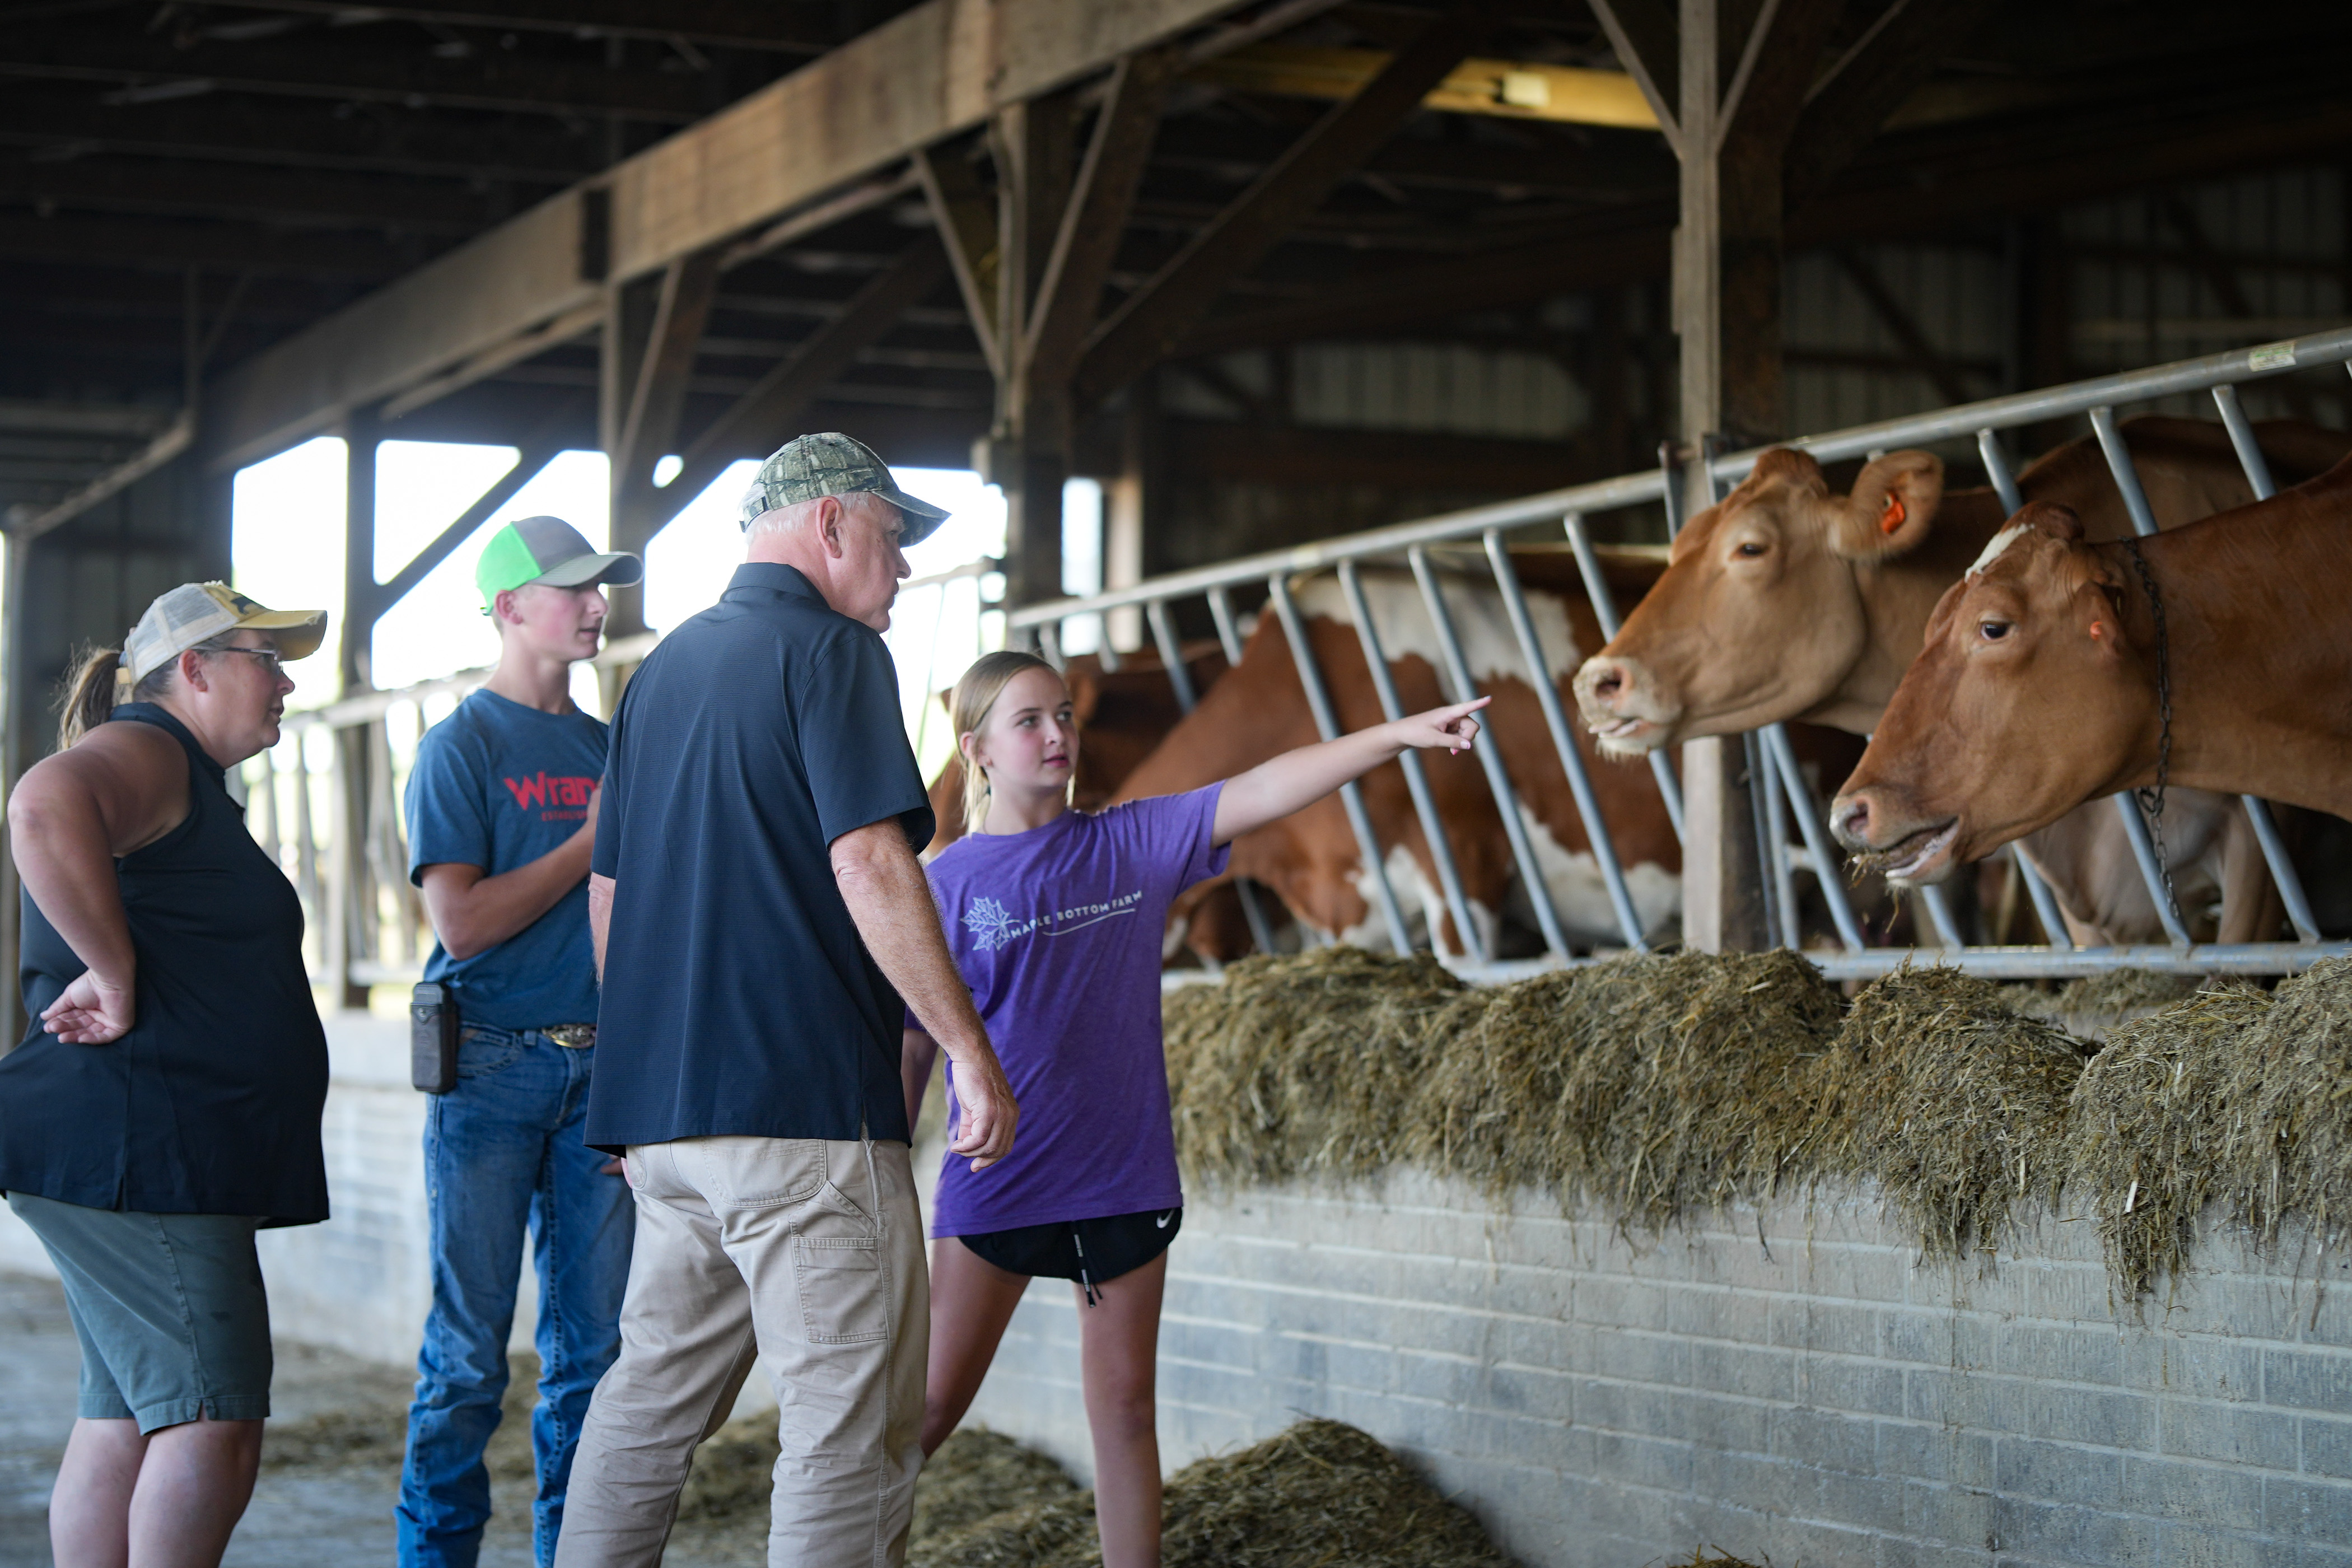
x=1782 y=794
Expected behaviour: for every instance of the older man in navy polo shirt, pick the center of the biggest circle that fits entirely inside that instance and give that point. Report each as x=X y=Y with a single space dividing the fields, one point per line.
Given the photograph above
x=759 y=914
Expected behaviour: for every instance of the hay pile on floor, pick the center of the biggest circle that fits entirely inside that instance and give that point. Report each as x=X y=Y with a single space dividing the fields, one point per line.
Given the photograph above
x=1655 y=1086
x=1952 y=1102
x=1321 y=1493
x=1302 y=1065
x=977 y=1476
x=2159 y=1129
x=978 y=1473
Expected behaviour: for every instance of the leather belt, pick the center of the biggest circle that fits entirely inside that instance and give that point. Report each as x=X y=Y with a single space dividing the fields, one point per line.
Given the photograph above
x=577 y=1036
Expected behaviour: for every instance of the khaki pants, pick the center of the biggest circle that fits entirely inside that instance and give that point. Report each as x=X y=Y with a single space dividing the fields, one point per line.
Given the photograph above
x=807 y=1255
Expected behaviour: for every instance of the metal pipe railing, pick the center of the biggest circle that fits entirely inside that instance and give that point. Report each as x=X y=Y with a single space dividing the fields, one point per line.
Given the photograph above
x=1327 y=724
x=1563 y=739
x=1490 y=758
x=1416 y=777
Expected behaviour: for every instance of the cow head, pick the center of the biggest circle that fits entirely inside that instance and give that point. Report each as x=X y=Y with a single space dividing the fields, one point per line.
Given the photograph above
x=2027 y=699
x=1758 y=617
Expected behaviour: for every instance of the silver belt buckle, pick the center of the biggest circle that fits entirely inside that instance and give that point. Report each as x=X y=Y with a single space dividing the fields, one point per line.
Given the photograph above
x=573 y=1036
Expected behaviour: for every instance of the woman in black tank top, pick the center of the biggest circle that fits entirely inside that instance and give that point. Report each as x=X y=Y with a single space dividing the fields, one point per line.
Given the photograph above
x=166 y=1098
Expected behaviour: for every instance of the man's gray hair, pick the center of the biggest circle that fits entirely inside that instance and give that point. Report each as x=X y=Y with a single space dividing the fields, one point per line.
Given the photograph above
x=784 y=518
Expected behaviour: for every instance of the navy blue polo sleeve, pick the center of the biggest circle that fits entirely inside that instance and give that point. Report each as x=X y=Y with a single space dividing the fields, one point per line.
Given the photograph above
x=605 y=855
x=853 y=740
x=448 y=820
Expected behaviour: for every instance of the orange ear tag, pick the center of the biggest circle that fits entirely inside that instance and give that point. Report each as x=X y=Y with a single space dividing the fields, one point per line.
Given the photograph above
x=1892 y=517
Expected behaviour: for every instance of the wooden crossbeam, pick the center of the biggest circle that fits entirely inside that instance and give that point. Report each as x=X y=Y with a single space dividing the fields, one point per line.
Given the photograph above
x=1096 y=217
x=1154 y=319
x=1643 y=33
x=538 y=449
x=966 y=219
x=1844 y=108
x=933 y=72
x=762 y=416
x=647 y=424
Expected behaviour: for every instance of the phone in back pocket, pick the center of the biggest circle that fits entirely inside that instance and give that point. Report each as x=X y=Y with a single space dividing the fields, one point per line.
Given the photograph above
x=433 y=1038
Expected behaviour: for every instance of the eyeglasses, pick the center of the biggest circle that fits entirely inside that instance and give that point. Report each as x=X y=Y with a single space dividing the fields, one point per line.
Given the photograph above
x=267 y=658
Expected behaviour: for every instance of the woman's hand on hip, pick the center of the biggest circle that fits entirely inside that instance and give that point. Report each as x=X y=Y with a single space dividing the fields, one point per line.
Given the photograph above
x=91 y=1012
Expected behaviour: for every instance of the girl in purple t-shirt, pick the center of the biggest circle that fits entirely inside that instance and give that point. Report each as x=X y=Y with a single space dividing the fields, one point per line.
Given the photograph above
x=1055 y=917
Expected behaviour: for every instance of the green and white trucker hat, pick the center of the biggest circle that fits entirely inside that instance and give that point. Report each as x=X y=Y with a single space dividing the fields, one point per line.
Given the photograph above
x=832 y=464
x=551 y=550
x=193 y=612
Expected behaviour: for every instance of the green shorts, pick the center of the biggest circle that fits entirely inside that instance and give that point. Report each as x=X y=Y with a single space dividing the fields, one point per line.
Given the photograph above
x=169 y=1308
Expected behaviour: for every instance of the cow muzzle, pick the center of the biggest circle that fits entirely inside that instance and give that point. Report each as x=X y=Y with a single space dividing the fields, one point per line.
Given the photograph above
x=1620 y=704
x=1893 y=842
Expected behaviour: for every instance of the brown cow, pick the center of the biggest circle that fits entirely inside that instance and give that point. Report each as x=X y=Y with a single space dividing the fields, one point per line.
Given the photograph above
x=1787 y=602
x=2037 y=687
x=1311 y=860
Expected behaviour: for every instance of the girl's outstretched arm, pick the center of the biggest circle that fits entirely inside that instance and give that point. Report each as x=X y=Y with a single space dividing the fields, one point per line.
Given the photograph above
x=1273 y=789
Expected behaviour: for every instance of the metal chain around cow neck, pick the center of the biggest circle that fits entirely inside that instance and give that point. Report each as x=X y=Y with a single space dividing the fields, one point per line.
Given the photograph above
x=2152 y=800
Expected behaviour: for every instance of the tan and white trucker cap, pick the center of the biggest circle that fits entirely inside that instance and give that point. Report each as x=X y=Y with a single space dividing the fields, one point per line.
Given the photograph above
x=191 y=612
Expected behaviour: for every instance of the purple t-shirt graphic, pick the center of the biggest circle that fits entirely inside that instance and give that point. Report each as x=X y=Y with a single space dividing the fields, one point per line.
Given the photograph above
x=1057 y=932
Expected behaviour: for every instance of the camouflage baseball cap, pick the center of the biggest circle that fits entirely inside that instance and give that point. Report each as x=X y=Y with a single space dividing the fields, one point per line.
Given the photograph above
x=832 y=464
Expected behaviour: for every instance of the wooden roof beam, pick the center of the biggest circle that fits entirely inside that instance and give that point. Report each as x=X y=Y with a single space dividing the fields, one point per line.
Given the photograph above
x=929 y=74
x=1154 y=319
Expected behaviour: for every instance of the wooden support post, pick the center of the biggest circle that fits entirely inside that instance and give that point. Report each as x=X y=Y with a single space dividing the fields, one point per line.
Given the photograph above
x=1032 y=274
x=350 y=894
x=652 y=328
x=1728 y=95
x=1028 y=454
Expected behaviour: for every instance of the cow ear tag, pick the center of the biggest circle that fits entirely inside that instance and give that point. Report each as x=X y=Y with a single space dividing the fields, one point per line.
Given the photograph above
x=1892 y=517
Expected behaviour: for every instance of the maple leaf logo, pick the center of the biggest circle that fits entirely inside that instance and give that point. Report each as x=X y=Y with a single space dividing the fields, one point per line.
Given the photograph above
x=989 y=925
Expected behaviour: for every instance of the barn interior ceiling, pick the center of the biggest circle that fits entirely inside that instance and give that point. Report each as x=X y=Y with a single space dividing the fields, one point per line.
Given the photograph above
x=184 y=186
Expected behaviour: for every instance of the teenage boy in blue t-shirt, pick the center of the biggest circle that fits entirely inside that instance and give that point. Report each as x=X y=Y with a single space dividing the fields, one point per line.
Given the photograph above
x=502 y=817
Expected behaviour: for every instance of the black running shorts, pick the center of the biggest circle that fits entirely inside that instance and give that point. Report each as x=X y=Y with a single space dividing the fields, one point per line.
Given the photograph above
x=1088 y=1251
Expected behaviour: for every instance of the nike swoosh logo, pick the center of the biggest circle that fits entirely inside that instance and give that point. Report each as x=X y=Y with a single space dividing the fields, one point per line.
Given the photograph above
x=1161 y=1223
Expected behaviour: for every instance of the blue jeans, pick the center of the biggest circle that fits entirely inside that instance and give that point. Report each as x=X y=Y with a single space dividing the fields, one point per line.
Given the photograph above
x=503 y=1151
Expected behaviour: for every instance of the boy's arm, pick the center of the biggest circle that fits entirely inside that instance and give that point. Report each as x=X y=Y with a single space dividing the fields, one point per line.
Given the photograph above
x=472 y=912
x=1273 y=789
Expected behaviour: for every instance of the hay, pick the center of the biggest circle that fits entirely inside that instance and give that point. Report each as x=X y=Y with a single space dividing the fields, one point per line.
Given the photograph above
x=1301 y=1065
x=2122 y=989
x=2293 y=1155
x=1955 y=1104
x=978 y=1473
x=1320 y=1495
x=2157 y=1128
x=1657 y=1087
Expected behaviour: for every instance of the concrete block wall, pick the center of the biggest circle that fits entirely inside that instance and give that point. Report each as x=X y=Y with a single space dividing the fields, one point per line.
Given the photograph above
x=1789 y=1385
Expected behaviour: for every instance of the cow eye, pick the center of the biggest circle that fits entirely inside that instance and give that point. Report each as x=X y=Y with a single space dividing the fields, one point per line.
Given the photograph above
x=1993 y=631
x=1747 y=551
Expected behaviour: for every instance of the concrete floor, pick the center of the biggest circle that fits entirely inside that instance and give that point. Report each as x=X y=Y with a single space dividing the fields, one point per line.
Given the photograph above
x=330 y=1466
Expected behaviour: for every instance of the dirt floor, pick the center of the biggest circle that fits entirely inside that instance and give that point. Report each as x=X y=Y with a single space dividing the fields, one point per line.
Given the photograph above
x=331 y=1463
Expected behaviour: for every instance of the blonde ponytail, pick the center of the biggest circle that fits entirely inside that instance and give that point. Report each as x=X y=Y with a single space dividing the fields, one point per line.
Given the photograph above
x=98 y=682
x=974 y=700
x=88 y=694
